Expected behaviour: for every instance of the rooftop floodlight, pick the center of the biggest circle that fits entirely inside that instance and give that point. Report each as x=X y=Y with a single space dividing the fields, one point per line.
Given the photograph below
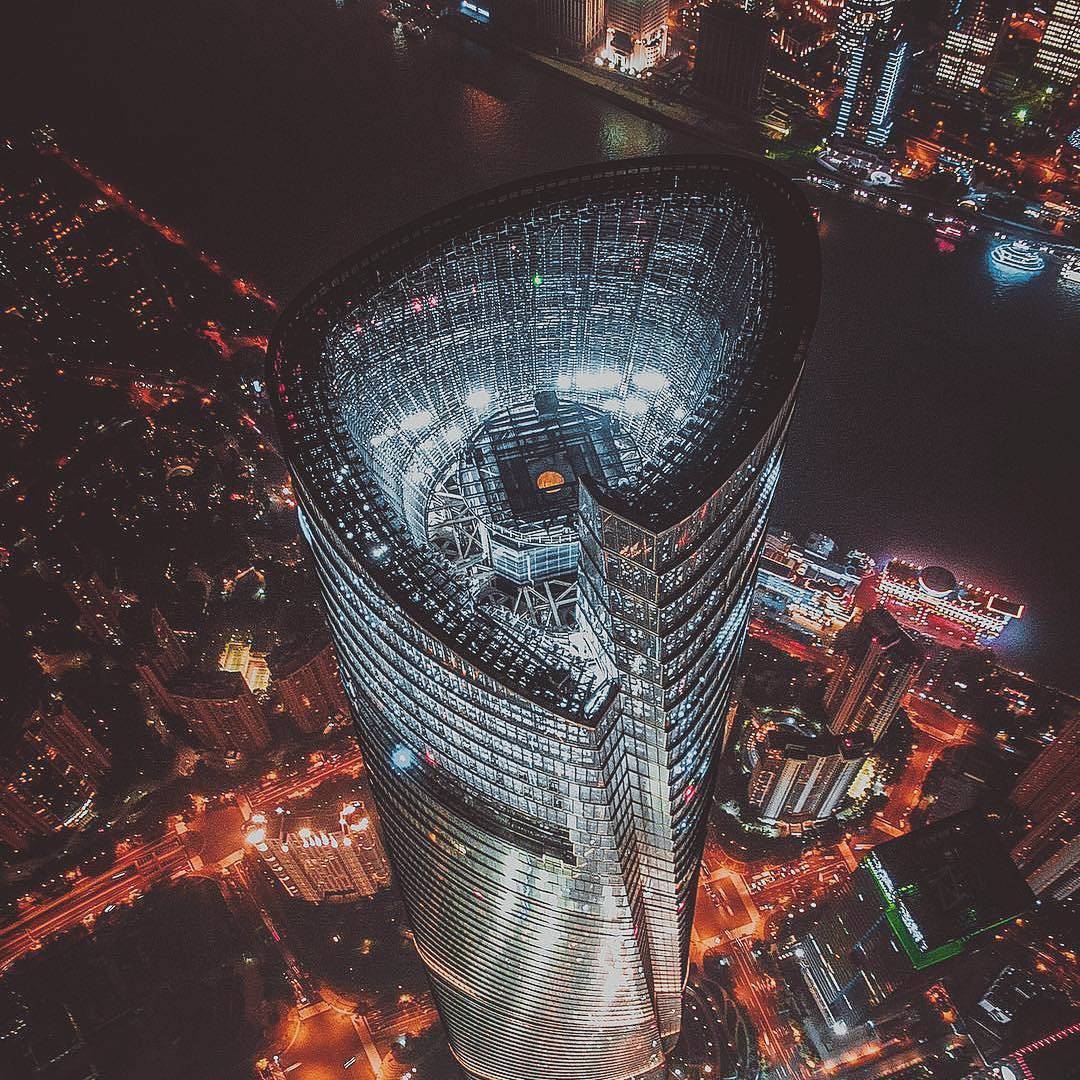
x=651 y=380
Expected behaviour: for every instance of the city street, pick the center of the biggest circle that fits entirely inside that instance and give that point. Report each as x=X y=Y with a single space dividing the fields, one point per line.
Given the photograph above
x=203 y=841
x=275 y=790
x=325 y=1041
x=740 y=903
x=141 y=866
x=756 y=992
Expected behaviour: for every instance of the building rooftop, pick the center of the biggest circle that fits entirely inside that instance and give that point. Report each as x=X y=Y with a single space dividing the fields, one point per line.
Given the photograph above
x=941 y=584
x=945 y=883
x=879 y=624
x=1005 y=1005
x=287 y=659
x=702 y=289
x=208 y=685
x=938 y=581
x=800 y=745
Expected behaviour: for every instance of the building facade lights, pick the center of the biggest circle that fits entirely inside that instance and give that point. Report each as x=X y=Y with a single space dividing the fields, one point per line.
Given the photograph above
x=543 y=786
x=1059 y=52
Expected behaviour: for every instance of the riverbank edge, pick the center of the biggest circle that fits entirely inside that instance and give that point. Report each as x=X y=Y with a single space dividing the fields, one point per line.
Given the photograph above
x=486 y=35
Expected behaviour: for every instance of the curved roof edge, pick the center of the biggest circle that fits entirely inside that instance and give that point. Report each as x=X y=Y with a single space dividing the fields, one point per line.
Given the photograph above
x=295 y=340
x=783 y=342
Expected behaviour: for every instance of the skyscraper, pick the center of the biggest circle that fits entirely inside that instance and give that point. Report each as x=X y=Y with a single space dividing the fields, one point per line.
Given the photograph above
x=800 y=779
x=50 y=769
x=220 y=710
x=876 y=663
x=306 y=677
x=68 y=740
x=637 y=32
x=911 y=904
x=1049 y=855
x=1049 y=794
x=589 y=375
x=323 y=851
x=732 y=48
x=876 y=66
x=857 y=20
x=1053 y=776
x=972 y=37
x=1059 y=53
x=573 y=25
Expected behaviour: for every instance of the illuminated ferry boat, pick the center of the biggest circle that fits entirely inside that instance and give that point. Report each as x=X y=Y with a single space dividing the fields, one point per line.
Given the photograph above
x=1070 y=270
x=1018 y=255
x=951 y=232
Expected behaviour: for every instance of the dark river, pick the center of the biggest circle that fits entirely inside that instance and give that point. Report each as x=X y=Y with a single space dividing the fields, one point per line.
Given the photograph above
x=939 y=415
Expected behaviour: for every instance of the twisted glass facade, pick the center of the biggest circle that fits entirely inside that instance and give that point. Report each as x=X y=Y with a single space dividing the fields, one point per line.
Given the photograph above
x=588 y=375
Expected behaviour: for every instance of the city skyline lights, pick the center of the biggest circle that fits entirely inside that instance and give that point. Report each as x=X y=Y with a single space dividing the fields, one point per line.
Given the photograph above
x=503 y=661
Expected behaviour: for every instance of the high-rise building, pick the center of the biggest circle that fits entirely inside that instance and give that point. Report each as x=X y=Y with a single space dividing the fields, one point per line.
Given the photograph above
x=911 y=904
x=50 y=769
x=636 y=33
x=161 y=656
x=876 y=662
x=1051 y=1057
x=876 y=67
x=859 y=19
x=1049 y=794
x=91 y=584
x=323 y=851
x=800 y=586
x=69 y=740
x=575 y=26
x=1053 y=777
x=1049 y=855
x=969 y=45
x=21 y=818
x=239 y=656
x=800 y=778
x=820 y=545
x=584 y=377
x=1059 y=53
x=219 y=709
x=1009 y=1004
x=732 y=47
x=306 y=677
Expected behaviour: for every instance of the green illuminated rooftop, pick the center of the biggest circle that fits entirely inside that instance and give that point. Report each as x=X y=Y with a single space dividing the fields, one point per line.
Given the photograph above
x=942 y=885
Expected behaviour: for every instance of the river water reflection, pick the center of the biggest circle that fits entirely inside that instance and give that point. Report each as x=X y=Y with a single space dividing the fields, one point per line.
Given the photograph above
x=938 y=416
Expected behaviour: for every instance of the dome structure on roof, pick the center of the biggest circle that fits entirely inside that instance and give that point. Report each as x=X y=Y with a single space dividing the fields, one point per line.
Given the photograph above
x=938 y=581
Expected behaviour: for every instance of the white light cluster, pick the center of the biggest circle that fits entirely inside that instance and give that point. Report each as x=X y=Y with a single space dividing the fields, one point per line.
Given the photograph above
x=650 y=380
x=911 y=924
x=417 y=421
x=604 y=379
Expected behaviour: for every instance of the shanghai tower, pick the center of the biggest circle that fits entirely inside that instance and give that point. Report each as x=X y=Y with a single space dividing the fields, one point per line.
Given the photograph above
x=534 y=437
